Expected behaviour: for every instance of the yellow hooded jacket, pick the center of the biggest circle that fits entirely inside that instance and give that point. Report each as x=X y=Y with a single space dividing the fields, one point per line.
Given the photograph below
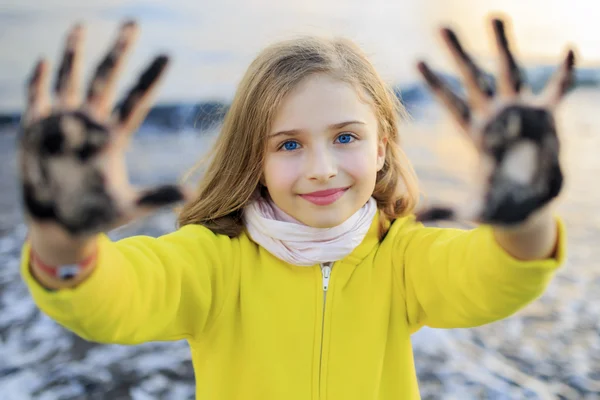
x=260 y=328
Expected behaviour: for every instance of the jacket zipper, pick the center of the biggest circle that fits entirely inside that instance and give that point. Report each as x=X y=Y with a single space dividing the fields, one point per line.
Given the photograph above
x=326 y=272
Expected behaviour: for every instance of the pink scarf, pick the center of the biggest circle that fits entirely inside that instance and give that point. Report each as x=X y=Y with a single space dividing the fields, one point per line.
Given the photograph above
x=299 y=244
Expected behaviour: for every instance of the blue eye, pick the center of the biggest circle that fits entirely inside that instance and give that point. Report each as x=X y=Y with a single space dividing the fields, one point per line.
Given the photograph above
x=345 y=138
x=290 y=145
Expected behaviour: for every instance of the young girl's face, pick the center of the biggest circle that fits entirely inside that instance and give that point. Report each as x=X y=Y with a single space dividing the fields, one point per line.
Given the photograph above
x=323 y=153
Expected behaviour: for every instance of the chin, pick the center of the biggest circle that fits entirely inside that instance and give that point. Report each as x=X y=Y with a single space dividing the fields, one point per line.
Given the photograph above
x=328 y=220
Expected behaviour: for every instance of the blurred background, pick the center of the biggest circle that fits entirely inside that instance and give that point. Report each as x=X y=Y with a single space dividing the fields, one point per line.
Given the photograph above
x=549 y=350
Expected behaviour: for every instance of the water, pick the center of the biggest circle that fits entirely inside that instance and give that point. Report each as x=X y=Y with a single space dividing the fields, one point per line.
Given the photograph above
x=549 y=350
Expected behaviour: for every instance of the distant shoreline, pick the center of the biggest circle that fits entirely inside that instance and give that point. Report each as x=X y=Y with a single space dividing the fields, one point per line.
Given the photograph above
x=204 y=115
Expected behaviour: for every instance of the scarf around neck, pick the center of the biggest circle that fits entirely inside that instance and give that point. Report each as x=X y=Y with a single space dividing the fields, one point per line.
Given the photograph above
x=302 y=245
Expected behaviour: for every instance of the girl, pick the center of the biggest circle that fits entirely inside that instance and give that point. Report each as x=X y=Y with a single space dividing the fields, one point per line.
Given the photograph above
x=298 y=270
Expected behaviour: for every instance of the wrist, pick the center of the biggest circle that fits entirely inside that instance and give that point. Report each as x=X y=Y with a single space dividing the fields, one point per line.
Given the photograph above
x=536 y=238
x=62 y=276
x=53 y=246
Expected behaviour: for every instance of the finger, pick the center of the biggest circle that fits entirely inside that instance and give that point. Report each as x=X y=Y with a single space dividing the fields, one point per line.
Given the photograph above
x=560 y=83
x=438 y=213
x=100 y=95
x=457 y=106
x=68 y=78
x=38 y=98
x=469 y=211
x=142 y=203
x=479 y=89
x=150 y=200
x=137 y=102
x=510 y=78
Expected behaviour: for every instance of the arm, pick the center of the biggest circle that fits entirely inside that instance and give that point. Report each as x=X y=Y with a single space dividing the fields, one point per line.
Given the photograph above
x=143 y=288
x=72 y=171
x=455 y=278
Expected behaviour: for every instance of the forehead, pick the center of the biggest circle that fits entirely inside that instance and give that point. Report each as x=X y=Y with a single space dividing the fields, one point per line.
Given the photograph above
x=319 y=101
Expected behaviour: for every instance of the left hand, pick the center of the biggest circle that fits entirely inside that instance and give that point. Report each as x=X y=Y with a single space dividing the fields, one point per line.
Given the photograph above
x=513 y=131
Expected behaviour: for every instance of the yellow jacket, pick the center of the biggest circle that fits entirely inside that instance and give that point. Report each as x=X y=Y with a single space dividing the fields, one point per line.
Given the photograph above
x=262 y=329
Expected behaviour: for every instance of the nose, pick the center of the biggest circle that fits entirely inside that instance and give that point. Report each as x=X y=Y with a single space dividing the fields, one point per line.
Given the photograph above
x=321 y=164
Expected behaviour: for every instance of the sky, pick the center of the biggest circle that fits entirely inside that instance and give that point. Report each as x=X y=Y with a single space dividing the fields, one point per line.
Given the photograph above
x=542 y=27
x=212 y=42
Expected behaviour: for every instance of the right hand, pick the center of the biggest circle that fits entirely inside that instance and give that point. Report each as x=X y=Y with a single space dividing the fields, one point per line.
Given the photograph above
x=72 y=152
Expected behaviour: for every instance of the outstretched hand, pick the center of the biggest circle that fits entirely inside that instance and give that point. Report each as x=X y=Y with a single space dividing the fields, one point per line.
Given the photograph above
x=513 y=131
x=72 y=151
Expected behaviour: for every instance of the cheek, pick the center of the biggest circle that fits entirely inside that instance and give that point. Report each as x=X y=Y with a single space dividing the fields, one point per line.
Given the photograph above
x=361 y=164
x=280 y=173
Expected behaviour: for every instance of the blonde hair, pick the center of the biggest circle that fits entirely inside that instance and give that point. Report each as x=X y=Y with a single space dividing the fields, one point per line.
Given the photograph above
x=236 y=161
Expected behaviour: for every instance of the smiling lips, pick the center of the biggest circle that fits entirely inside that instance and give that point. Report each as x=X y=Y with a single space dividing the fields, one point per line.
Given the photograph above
x=324 y=197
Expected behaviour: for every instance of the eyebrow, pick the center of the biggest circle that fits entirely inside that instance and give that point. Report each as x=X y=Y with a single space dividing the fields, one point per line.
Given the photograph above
x=338 y=125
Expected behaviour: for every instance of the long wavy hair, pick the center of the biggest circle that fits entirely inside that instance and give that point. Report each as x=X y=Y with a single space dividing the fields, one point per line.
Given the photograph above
x=235 y=165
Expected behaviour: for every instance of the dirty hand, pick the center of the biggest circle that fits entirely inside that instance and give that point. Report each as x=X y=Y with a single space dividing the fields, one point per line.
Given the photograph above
x=72 y=150
x=513 y=131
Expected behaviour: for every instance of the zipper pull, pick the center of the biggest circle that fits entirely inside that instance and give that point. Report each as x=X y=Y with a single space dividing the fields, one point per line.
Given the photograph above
x=326 y=269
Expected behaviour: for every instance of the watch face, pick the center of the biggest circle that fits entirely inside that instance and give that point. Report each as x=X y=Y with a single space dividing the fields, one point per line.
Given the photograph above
x=66 y=272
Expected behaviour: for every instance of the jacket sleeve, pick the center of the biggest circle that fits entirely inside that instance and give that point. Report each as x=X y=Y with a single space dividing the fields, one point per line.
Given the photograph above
x=144 y=288
x=454 y=278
